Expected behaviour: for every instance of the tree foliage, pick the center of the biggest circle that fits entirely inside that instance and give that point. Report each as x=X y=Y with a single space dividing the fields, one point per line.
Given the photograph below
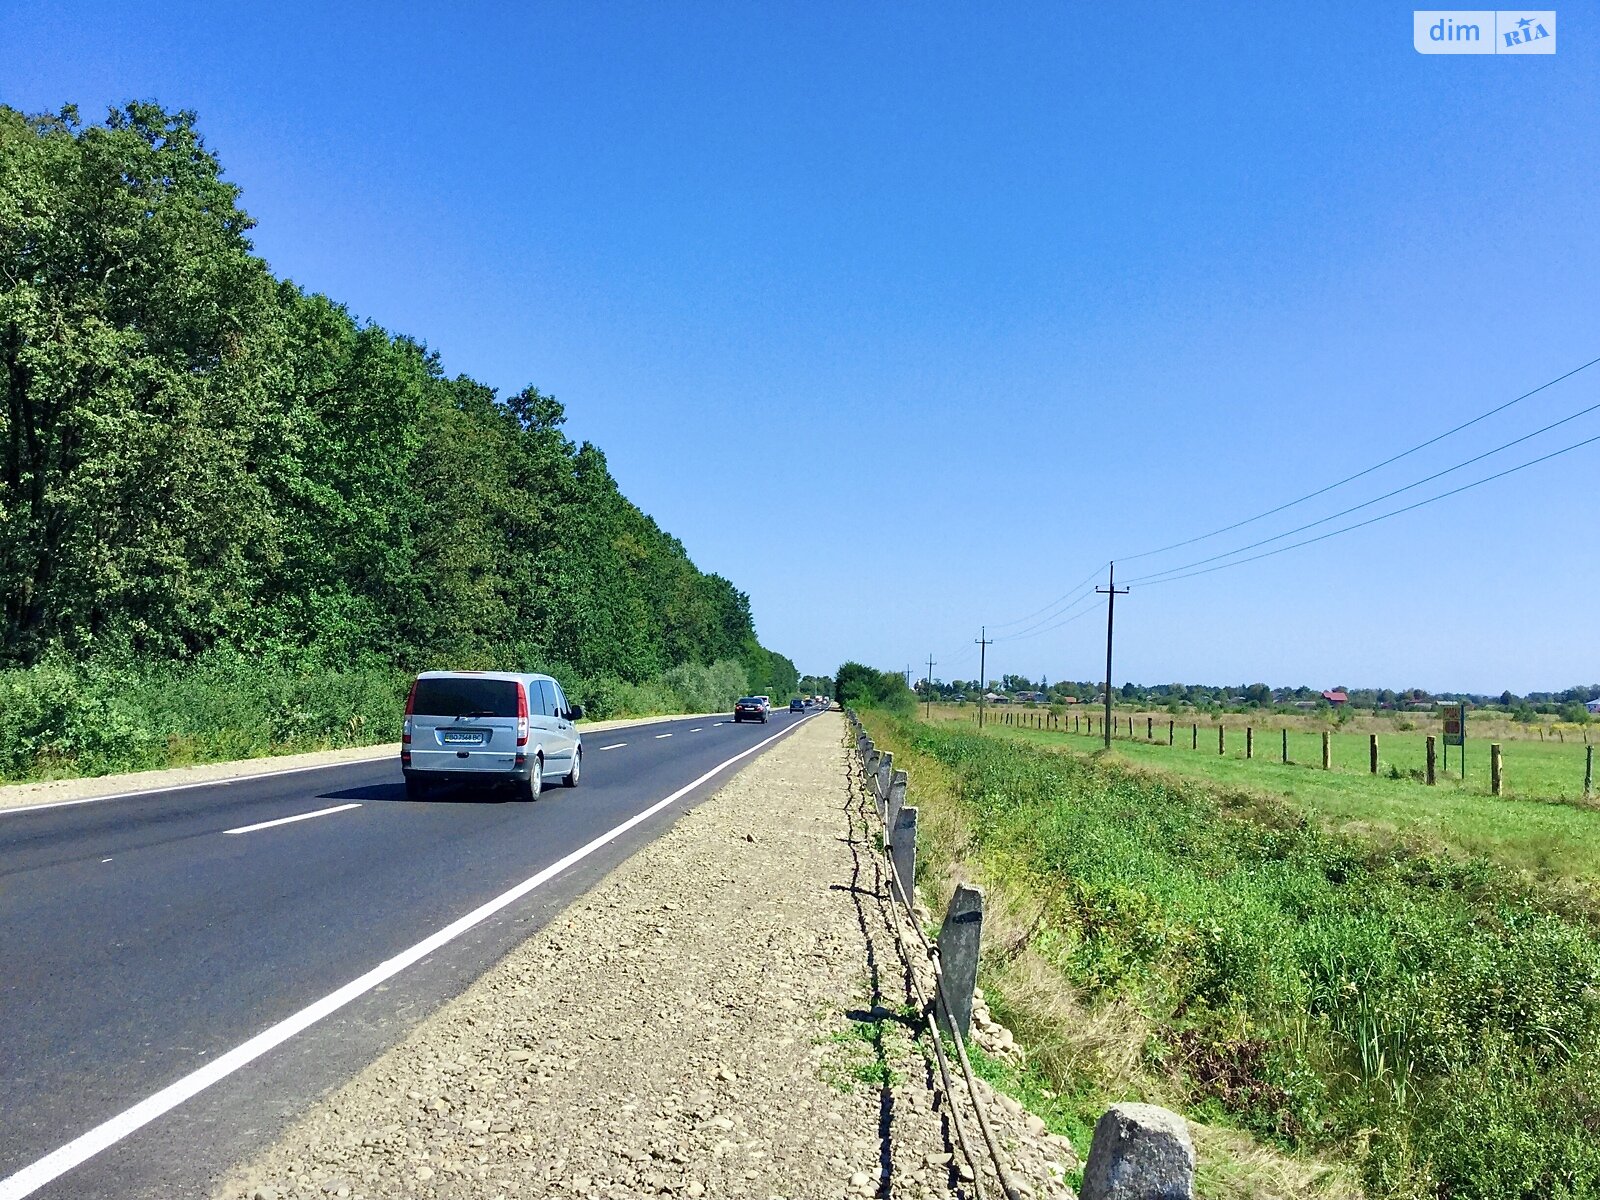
x=194 y=454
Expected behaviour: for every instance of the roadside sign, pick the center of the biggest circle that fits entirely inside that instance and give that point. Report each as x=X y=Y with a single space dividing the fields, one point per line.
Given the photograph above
x=1455 y=724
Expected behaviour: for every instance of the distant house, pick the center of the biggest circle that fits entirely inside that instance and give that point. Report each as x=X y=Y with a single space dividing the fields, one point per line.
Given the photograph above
x=996 y=698
x=1336 y=698
x=1074 y=700
x=1593 y=706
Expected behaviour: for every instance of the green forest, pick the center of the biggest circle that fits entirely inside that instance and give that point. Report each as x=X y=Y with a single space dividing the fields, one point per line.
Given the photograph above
x=212 y=478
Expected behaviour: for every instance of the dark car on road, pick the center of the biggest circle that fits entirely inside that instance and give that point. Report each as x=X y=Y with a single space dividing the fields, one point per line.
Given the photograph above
x=750 y=708
x=797 y=705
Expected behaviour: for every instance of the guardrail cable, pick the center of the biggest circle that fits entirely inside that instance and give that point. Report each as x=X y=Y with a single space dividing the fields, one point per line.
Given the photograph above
x=931 y=951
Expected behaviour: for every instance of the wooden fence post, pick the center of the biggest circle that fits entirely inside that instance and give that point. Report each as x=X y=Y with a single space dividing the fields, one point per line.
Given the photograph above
x=1149 y=729
x=1494 y=768
x=1249 y=741
x=1194 y=736
x=1327 y=750
x=1431 y=759
x=1588 y=773
x=1372 y=753
x=1222 y=739
x=1285 y=743
x=1171 y=727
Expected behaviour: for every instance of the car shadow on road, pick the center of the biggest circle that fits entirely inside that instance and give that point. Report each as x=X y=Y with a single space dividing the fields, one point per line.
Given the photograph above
x=452 y=793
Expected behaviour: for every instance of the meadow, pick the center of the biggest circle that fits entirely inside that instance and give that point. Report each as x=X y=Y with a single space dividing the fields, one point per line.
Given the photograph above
x=1345 y=991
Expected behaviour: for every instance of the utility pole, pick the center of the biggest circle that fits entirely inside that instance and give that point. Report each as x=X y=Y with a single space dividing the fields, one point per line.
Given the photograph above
x=930 y=687
x=1110 y=592
x=984 y=642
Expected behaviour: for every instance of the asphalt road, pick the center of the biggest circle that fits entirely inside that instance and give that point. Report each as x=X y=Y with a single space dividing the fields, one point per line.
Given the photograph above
x=145 y=940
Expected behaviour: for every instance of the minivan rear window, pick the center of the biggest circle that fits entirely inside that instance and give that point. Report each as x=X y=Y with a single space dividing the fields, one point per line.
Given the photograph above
x=465 y=698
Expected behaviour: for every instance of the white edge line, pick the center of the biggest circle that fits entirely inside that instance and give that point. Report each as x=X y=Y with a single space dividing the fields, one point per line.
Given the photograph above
x=321 y=812
x=183 y=787
x=86 y=1145
x=614 y=746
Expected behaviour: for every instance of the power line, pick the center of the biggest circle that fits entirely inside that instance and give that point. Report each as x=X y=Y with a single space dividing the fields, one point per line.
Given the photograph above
x=1278 y=537
x=1369 y=470
x=1090 y=577
x=1022 y=637
x=1027 y=630
x=1466 y=487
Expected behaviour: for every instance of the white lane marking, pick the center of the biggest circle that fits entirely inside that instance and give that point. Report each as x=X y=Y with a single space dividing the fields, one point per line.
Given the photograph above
x=714 y=724
x=659 y=736
x=321 y=812
x=614 y=746
x=108 y=1133
x=183 y=787
x=697 y=729
x=105 y=860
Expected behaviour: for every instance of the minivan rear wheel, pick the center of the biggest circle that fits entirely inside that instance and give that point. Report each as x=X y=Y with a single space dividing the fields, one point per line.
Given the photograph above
x=570 y=779
x=529 y=788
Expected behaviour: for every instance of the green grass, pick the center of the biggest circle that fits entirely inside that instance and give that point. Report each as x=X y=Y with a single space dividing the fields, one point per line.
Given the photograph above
x=1540 y=825
x=1433 y=1019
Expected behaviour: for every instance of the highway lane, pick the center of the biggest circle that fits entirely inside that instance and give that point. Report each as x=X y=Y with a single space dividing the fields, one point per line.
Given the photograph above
x=140 y=939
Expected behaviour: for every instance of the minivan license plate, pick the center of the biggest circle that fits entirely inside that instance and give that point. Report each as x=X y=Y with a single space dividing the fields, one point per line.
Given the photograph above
x=463 y=739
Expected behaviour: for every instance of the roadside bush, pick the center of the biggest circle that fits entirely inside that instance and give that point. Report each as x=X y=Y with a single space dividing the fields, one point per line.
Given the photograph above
x=106 y=715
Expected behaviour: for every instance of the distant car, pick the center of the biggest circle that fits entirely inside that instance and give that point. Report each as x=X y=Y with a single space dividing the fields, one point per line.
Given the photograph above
x=489 y=727
x=750 y=708
x=766 y=702
x=797 y=705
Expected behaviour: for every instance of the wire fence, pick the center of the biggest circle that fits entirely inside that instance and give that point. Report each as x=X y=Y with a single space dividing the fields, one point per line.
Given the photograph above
x=1543 y=770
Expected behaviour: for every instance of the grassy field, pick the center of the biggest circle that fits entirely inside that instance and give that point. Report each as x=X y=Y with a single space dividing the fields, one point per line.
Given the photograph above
x=1333 y=991
x=1540 y=824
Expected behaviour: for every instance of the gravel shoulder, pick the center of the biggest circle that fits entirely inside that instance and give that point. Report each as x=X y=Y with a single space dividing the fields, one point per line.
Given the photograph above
x=55 y=791
x=727 y=1015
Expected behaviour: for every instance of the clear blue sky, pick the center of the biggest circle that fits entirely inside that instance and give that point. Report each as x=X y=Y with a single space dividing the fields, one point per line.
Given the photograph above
x=1001 y=294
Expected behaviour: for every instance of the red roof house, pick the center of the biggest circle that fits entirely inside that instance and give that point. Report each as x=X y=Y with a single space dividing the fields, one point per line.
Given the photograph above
x=1335 y=698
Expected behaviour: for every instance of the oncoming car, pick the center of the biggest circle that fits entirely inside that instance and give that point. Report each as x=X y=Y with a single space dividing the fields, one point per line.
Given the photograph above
x=750 y=708
x=489 y=727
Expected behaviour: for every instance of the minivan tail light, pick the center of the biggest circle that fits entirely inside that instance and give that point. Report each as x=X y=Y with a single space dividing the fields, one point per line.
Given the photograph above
x=522 y=714
x=411 y=704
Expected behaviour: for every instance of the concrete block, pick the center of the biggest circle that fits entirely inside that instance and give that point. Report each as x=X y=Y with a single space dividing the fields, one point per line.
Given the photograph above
x=1139 y=1152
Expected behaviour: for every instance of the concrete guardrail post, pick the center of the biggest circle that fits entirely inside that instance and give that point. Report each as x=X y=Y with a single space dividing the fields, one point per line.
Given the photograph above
x=895 y=801
x=903 y=849
x=885 y=773
x=959 y=939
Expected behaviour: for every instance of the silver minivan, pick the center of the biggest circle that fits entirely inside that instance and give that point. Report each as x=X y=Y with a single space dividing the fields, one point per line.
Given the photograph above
x=489 y=727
